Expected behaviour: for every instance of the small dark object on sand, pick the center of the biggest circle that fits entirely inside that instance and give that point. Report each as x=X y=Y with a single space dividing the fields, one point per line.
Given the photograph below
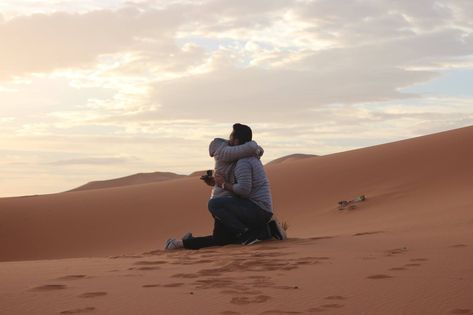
x=343 y=204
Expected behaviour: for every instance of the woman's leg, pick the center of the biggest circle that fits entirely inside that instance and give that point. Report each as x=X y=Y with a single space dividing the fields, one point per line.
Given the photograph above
x=199 y=242
x=220 y=236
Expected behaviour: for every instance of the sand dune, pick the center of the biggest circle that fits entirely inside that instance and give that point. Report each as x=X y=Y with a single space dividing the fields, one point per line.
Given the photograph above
x=198 y=173
x=405 y=250
x=290 y=158
x=135 y=179
x=411 y=182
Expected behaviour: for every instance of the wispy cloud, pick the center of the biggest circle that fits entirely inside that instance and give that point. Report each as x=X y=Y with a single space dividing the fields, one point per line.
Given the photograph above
x=93 y=161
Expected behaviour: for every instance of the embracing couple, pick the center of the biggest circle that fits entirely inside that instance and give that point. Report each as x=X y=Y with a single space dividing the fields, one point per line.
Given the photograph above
x=241 y=201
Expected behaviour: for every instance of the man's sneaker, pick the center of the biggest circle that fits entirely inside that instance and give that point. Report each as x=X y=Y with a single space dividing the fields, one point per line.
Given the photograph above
x=276 y=229
x=187 y=236
x=264 y=233
x=172 y=243
x=251 y=241
x=250 y=236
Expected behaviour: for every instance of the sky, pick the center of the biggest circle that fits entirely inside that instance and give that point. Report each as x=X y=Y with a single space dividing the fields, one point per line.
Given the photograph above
x=93 y=90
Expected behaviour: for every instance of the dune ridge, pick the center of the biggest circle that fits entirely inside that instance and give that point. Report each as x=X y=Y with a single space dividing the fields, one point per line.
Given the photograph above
x=290 y=158
x=135 y=179
x=146 y=178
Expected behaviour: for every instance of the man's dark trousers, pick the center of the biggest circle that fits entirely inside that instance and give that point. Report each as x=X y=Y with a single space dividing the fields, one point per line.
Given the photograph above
x=233 y=217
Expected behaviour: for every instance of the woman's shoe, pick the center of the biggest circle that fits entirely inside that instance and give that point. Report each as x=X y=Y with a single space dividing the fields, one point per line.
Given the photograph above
x=172 y=243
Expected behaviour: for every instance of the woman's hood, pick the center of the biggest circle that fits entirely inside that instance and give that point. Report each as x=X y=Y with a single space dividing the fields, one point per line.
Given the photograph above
x=215 y=144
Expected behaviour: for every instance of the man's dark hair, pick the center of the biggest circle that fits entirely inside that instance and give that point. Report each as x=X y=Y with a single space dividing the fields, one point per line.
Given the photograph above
x=242 y=133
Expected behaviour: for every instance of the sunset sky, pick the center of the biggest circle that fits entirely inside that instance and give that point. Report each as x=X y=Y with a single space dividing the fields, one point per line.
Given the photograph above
x=94 y=90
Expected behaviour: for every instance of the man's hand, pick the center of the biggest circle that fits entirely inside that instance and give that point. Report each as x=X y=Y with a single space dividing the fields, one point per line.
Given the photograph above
x=219 y=179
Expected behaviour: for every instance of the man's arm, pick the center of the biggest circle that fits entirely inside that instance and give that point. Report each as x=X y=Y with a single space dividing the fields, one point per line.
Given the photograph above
x=227 y=153
x=243 y=177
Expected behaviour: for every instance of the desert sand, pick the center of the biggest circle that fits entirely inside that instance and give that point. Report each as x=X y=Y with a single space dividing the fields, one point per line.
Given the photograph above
x=290 y=158
x=407 y=249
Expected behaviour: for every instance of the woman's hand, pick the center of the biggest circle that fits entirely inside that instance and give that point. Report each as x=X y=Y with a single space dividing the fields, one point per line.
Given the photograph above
x=219 y=179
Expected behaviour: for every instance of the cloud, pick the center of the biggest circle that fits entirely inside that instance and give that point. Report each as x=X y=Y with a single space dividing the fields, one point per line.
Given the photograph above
x=45 y=42
x=69 y=40
x=268 y=94
x=93 y=161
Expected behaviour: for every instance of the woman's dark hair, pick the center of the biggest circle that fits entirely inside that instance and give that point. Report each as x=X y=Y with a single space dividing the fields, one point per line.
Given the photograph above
x=242 y=133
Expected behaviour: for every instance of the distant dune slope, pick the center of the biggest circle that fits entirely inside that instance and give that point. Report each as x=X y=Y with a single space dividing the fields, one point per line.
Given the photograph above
x=418 y=185
x=135 y=179
x=290 y=158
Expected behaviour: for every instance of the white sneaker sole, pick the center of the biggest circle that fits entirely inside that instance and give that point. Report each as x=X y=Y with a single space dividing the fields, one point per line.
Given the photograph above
x=253 y=242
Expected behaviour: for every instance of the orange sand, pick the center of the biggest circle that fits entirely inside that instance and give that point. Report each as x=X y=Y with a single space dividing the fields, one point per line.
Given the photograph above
x=406 y=250
x=140 y=178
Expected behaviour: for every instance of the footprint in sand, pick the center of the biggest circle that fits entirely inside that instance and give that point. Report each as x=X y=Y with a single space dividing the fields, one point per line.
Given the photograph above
x=335 y=297
x=321 y=238
x=173 y=285
x=126 y=256
x=92 y=294
x=204 y=261
x=144 y=268
x=79 y=310
x=155 y=262
x=185 y=275
x=168 y=285
x=233 y=292
x=49 y=287
x=380 y=276
x=412 y=265
x=154 y=252
x=461 y=311
x=309 y=260
x=259 y=277
x=269 y=312
x=283 y=268
x=396 y=251
x=305 y=262
x=184 y=261
x=459 y=245
x=241 y=300
x=130 y=275
x=72 y=277
x=367 y=233
x=286 y=287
